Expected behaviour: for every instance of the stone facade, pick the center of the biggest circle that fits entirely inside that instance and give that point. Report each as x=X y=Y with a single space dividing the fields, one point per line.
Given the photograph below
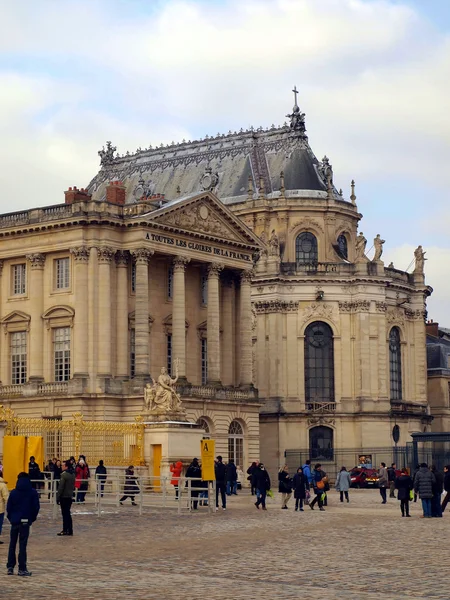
x=438 y=362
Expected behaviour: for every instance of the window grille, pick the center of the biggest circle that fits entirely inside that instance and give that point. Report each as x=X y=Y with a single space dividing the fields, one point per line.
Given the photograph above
x=61 y=353
x=319 y=363
x=132 y=353
x=19 y=276
x=236 y=443
x=204 y=289
x=395 y=364
x=306 y=249
x=204 y=361
x=342 y=245
x=169 y=353
x=170 y=283
x=133 y=278
x=62 y=266
x=18 y=357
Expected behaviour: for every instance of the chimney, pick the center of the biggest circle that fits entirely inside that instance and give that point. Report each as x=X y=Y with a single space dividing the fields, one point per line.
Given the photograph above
x=432 y=328
x=76 y=195
x=115 y=193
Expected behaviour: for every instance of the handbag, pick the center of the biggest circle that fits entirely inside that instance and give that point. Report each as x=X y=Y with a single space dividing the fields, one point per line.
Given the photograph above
x=320 y=485
x=411 y=494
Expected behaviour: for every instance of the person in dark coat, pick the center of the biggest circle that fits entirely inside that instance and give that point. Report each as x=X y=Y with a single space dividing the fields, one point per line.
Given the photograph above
x=262 y=481
x=404 y=484
x=416 y=470
x=221 y=478
x=100 y=475
x=22 y=510
x=284 y=486
x=64 y=497
x=57 y=470
x=446 y=487
x=35 y=473
x=423 y=486
x=131 y=487
x=194 y=470
x=300 y=485
x=438 y=488
x=318 y=477
x=231 y=478
x=251 y=476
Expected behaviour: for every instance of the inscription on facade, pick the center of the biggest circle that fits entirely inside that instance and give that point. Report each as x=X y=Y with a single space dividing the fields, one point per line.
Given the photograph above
x=171 y=241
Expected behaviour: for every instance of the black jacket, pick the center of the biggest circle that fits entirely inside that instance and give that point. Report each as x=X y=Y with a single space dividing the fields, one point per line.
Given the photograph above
x=221 y=472
x=231 y=472
x=262 y=480
x=23 y=503
x=101 y=472
x=404 y=484
x=391 y=474
x=34 y=471
x=423 y=483
x=300 y=484
x=284 y=483
x=438 y=485
x=193 y=471
x=251 y=472
x=447 y=481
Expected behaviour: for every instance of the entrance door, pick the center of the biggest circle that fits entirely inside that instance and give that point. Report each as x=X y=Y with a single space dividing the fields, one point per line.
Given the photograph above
x=156 y=455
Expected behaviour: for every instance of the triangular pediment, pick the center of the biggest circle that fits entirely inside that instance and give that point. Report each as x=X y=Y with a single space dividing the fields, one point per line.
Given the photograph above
x=205 y=214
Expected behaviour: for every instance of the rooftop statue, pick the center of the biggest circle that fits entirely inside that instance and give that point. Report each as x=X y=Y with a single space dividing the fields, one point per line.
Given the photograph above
x=360 y=247
x=107 y=156
x=419 y=255
x=297 y=118
x=378 y=244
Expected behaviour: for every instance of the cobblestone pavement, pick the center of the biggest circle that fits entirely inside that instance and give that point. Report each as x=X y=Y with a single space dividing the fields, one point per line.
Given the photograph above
x=356 y=551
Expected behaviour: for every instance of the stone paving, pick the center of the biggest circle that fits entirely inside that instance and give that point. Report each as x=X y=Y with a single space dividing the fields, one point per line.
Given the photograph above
x=356 y=551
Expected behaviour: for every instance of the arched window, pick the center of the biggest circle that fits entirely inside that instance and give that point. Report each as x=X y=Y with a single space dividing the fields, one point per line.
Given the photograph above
x=395 y=363
x=203 y=423
x=236 y=443
x=342 y=245
x=306 y=249
x=321 y=443
x=319 y=364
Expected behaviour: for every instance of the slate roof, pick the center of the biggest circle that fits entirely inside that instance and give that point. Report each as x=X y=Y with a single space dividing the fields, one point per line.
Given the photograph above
x=222 y=164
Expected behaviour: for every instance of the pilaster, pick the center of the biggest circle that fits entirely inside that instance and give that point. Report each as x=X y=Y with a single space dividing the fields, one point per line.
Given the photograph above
x=213 y=323
x=80 y=342
x=179 y=315
x=142 y=257
x=122 y=363
x=37 y=263
x=246 y=329
x=227 y=370
x=105 y=256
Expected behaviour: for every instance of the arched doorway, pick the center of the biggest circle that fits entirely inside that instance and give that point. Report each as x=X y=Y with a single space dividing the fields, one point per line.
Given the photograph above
x=321 y=443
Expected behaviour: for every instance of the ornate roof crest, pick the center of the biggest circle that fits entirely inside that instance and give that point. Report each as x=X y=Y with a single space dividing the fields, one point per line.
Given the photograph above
x=107 y=156
x=297 y=118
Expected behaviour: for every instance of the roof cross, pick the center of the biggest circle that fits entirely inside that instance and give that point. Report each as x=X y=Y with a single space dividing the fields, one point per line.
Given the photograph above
x=295 y=95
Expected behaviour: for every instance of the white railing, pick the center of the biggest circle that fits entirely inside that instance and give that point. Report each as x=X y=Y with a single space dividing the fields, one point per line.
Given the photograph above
x=11 y=390
x=56 y=387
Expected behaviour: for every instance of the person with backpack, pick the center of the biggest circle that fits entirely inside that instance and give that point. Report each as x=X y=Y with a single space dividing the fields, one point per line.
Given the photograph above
x=284 y=486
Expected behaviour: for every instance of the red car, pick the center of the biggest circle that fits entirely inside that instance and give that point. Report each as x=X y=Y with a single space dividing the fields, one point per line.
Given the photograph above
x=364 y=478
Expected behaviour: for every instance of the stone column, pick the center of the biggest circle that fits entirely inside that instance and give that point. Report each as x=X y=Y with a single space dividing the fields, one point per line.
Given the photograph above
x=213 y=323
x=80 y=330
x=246 y=329
x=36 y=354
x=122 y=362
x=3 y=358
x=179 y=315
x=141 y=256
x=228 y=330
x=105 y=256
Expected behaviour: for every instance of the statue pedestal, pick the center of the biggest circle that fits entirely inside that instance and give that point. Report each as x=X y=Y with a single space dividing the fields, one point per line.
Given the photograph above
x=170 y=440
x=273 y=265
x=379 y=266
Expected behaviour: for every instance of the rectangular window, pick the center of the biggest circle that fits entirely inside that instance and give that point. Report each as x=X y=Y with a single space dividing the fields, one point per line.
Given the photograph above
x=61 y=353
x=132 y=353
x=53 y=440
x=204 y=289
x=169 y=353
x=204 y=361
x=62 y=273
x=19 y=277
x=170 y=283
x=18 y=357
x=133 y=278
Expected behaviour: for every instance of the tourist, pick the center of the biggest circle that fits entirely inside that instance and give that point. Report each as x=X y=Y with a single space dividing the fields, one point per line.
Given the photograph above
x=57 y=470
x=438 y=488
x=194 y=471
x=307 y=472
x=423 y=486
x=446 y=487
x=81 y=479
x=391 y=478
x=231 y=478
x=3 y=500
x=22 y=510
x=301 y=486
x=100 y=475
x=319 y=479
x=251 y=476
x=262 y=483
x=240 y=477
x=35 y=473
x=416 y=470
x=64 y=496
x=131 y=487
x=343 y=483
x=176 y=470
x=383 y=481
x=404 y=484
x=221 y=476
x=284 y=486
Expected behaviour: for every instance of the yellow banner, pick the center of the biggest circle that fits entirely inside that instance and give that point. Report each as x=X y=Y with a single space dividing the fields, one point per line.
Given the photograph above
x=13 y=458
x=207 y=450
x=35 y=447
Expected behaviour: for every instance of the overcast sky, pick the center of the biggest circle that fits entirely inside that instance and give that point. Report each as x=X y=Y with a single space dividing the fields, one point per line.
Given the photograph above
x=373 y=76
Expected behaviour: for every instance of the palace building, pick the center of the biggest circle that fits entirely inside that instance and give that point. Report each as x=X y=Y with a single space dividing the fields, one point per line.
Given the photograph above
x=237 y=257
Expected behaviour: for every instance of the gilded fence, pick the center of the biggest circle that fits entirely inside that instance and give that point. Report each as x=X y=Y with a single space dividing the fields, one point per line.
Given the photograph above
x=119 y=444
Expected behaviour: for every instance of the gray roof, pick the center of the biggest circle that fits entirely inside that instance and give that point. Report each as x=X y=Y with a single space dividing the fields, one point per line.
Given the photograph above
x=222 y=164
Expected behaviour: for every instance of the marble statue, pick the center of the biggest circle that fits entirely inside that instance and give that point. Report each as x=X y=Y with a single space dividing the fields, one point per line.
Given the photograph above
x=274 y=244
x=419 y=255
x=360 y=246
x=378 y=244
x=161 y=395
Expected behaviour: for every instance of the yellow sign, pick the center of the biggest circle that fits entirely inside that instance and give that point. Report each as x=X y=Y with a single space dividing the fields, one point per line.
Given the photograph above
x=207 y=449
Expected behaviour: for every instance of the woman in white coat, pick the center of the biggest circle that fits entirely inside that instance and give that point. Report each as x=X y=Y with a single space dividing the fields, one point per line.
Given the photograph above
x=343 y=483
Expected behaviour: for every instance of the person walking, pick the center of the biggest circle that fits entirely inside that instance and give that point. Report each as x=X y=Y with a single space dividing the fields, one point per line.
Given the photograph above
x=64 y=496
x=221 y=478
x=131 y=487
x=231 y=478
x=438 y=488
x=3 y=500
x=301 y=486
x=81 y=479
x=307 y=472
x=262 y=482
x=343 y=483
x=22 y=510
x=319 y=479
x=404 y=485
x=423 y=486
x=391 y=478
x=176 y=470
x=446 y=487
x=284 y=486
x=251 y=476
x=100 y=475
x=383 y=481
